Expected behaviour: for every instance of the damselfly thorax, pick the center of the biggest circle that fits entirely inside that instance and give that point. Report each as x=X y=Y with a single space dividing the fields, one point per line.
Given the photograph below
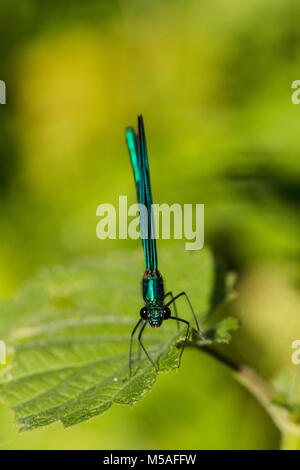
x=153 y=294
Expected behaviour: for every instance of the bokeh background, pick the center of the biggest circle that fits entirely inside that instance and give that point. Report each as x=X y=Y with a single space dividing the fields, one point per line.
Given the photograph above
x=213 y=81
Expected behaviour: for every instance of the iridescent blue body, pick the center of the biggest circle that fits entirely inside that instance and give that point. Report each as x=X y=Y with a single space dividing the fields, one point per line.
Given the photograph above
x=155 y=309
x=153 y=287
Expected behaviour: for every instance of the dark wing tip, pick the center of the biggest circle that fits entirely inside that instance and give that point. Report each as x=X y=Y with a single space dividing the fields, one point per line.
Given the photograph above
x=141 y=129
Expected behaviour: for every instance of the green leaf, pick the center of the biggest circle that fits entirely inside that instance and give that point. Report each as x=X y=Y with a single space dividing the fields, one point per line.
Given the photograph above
x=68 y=332
x=221 y=332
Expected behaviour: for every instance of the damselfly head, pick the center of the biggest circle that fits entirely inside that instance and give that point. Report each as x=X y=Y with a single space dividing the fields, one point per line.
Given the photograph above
x=154 y=314
x=158 y=314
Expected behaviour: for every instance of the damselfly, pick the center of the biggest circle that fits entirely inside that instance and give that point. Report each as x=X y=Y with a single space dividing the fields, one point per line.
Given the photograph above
x=156 y=309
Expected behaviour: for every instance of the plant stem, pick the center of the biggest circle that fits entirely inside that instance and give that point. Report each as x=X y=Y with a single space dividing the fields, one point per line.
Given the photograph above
x=257 y=387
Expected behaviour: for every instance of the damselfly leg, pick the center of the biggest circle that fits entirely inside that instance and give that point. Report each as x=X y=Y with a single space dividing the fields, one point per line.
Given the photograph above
x=143 y=347
x=185 y=338
x=131 y=341
x=175 y=307
x=190 y=305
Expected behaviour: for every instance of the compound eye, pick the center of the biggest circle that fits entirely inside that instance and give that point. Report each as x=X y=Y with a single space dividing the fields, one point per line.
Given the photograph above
x=144 y=313
x=166 y=313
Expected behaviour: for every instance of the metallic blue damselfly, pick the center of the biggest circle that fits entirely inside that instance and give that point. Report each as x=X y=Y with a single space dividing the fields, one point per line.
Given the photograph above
x=156 y=309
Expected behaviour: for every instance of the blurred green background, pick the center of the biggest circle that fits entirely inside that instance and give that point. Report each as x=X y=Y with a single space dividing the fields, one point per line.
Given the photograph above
x=213 y=81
